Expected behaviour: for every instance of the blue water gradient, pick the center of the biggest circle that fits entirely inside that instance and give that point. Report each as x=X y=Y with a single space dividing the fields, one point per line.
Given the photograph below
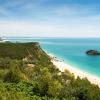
x=71 y=50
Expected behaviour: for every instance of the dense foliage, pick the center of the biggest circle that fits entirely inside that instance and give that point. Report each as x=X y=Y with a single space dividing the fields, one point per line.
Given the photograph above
x=26 y=73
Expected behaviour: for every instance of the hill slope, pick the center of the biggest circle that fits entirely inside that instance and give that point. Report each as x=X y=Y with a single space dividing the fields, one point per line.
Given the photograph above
x=31 y=51
x=21 y=50
x=27 y=73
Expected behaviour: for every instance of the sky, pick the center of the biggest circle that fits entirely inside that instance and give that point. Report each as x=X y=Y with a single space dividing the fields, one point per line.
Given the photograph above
x=50 y=18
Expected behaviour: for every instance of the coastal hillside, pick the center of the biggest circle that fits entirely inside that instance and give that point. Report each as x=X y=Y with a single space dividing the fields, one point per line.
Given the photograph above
x=22 y=50
x=27 y=73
x=25 y=51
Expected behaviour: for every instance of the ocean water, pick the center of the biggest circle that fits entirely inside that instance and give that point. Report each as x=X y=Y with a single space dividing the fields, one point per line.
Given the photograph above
x=71 y=50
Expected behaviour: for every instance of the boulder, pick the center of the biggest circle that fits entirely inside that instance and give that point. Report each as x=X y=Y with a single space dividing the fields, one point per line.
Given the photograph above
x=93 y=52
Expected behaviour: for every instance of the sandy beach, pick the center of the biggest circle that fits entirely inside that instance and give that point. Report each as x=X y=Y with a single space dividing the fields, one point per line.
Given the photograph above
x=62 y=66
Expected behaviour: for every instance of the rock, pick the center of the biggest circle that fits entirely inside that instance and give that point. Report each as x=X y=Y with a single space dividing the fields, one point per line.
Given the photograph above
x=93 y=52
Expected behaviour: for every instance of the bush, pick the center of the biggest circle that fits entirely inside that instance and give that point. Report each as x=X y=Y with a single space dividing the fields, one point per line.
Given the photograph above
x=5 y=62
x=14 y=74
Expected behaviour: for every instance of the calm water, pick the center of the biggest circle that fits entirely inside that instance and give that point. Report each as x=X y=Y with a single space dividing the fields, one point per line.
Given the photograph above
x=71 y=51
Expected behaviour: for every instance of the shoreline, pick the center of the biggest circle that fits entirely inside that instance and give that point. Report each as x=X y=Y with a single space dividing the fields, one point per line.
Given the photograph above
x=62 y=66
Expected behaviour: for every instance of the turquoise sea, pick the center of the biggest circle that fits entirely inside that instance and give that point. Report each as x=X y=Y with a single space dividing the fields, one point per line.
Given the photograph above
x=71 y=50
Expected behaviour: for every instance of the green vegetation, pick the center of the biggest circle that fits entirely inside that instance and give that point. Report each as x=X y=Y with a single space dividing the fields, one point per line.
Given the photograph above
x=26 y=73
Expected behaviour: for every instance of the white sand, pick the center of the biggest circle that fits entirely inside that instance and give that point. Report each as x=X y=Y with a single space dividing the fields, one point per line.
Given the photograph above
x=77 y=72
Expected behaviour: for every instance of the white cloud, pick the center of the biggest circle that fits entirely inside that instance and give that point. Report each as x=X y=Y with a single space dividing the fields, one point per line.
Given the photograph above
x=18 y=28
x=76 y=9
x=51 y=30
x=51 y=21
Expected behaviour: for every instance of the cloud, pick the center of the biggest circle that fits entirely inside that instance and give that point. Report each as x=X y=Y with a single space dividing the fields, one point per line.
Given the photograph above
x=48 y=30
x=22 y=28
x=41 y=18
x=75 y=9
x=42 y=9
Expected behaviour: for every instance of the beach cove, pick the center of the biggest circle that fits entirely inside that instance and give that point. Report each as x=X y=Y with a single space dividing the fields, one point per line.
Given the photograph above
x=72 y=54
x=62 y=66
